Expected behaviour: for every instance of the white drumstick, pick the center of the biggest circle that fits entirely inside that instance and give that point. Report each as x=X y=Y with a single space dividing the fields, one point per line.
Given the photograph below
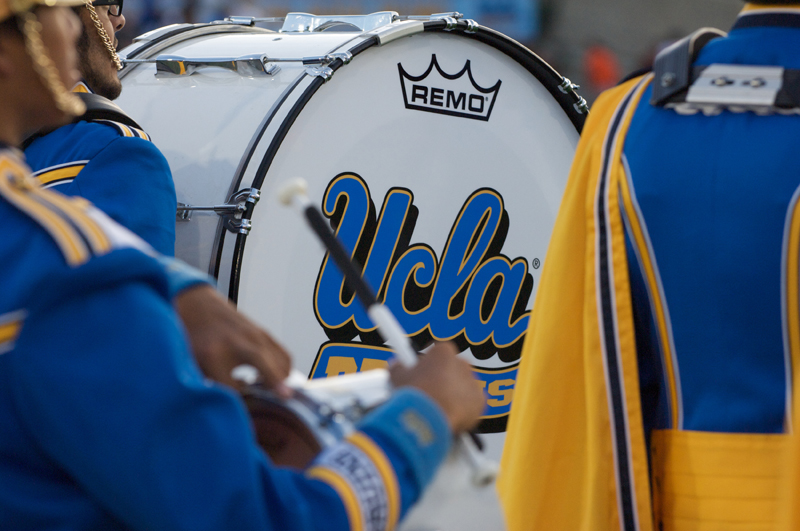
x=294 y=193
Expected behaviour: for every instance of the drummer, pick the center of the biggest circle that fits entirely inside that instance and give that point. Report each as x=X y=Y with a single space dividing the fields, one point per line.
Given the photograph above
x=109 y=162
x=107 y=422
x=117 y=168
x=655 y=389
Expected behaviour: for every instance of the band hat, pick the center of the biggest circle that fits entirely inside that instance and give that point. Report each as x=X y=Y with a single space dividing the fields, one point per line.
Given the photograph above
x=10 y=8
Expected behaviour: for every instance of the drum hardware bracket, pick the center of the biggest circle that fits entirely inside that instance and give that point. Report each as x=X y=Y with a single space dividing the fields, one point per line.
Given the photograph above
x=269 y=68
x=451 y=23
x=249 y=21
x=325 y=72
x=582 y=107
x=436 y=16
x=231 y=212
x=568 y=87
x=472 y=26
x=346 y=57
x=451 y=20
x=248 y=65
x=305 y=22
x=184 y=212
x=243 y=227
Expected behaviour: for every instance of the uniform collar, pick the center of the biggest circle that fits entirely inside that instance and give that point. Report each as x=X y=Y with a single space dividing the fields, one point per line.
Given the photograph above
x=82 y=87
x=766 y=15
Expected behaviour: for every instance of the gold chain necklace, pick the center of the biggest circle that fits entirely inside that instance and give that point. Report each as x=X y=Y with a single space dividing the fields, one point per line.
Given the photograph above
x=104 y=35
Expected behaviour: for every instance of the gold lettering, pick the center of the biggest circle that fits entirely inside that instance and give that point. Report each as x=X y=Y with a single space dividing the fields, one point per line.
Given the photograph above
x=338 y=365
x=496 y=391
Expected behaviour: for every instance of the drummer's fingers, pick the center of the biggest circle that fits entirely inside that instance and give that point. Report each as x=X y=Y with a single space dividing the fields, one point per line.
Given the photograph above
x=269 y=358
x=279 y=356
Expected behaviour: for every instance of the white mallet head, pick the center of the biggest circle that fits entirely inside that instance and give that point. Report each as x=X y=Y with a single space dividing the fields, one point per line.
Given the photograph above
x=294 y=190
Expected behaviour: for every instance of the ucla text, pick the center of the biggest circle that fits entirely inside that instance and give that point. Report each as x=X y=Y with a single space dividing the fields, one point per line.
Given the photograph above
x=469 y=293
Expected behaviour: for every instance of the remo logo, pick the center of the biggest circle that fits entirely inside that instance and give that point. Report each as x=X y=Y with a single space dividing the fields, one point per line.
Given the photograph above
x=468 y=292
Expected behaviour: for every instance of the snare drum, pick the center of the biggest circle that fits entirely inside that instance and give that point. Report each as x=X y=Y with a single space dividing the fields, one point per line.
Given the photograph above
x=438 y=148
x=320 y=413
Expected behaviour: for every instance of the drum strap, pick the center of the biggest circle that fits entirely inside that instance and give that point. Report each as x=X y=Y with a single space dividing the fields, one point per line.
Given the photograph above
x=687 y=89
x=98 y=109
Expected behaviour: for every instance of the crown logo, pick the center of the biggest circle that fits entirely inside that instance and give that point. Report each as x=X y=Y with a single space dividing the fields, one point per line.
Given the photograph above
x=451 y=94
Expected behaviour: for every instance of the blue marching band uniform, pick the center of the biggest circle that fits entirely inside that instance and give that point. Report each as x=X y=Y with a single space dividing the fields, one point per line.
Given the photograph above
x=108 y=422
x=666 y=330
x=116 y=167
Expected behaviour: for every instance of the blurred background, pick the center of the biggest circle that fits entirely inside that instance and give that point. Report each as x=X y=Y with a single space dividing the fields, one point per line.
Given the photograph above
x=594 y=43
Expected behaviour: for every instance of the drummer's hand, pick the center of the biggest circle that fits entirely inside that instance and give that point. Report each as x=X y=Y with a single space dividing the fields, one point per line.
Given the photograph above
x=222 y=339
x=449 y=382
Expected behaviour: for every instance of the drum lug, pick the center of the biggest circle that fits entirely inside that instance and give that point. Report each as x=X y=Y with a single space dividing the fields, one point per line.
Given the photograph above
x=442 y=16
x=323 y=60
x=271 y=69
x=582 y=107
x=231 y=212
x=345 y=57
x=325 y=72
x=242 y=227
x=568 y=87
x=184 y=212
x=451 y=23
x=472 y=26
x=234 y=220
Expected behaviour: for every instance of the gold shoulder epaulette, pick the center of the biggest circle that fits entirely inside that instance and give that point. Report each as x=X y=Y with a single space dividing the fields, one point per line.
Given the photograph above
x=67 y=220
x=126 y=130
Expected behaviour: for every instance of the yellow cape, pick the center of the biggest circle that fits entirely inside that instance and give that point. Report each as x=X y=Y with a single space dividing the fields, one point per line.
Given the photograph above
x=575 y=456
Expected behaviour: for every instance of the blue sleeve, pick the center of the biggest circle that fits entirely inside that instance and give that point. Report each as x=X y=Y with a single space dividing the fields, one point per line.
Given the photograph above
x=109 y=390
x=409 y=422
x=181 y=276
x=130 y=181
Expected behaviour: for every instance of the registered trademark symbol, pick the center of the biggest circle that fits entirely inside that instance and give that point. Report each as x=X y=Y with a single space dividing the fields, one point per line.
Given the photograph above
x=536 y=263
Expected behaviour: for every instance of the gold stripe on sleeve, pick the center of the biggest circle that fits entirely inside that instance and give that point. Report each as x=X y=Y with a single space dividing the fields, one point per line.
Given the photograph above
x=69 y=172
x=345 y=492
x=68 y=240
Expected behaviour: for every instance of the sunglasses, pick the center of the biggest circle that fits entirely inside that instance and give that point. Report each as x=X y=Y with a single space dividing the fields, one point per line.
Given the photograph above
x=114 y=6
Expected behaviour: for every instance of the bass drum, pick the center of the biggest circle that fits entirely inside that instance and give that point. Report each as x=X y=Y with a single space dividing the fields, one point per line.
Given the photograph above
x=439 y=150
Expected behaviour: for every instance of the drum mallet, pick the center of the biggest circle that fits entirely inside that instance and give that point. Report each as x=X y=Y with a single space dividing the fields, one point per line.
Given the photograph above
x=294 y=193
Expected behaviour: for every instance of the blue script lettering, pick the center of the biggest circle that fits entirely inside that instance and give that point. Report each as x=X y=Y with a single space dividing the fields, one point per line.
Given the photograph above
x=474 y=295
